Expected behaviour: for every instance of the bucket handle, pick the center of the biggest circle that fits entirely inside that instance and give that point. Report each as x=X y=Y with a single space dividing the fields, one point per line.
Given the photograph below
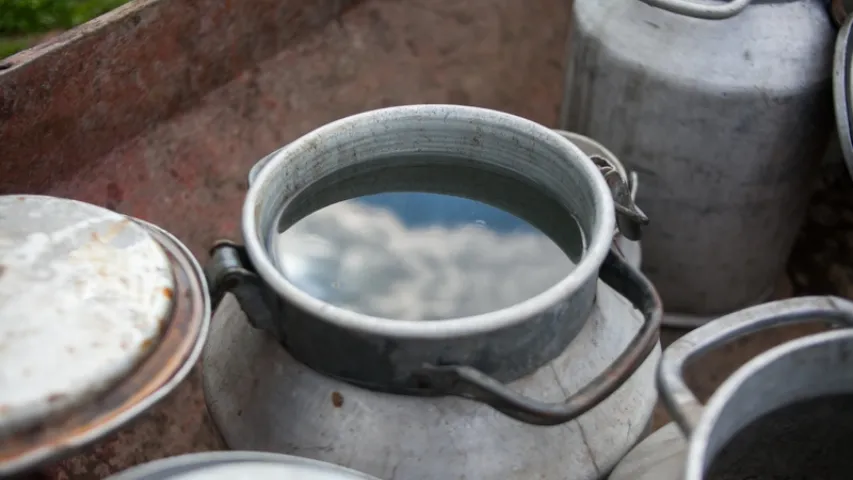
x=701 y=10
x=682 y=404
x=468 y=382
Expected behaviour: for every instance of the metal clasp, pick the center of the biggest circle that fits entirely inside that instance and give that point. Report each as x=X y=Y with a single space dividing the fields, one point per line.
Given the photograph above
x=629 y=218
x=229 y=271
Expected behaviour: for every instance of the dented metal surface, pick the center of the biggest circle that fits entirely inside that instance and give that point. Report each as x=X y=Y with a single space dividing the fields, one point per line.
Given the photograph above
x=167 y=279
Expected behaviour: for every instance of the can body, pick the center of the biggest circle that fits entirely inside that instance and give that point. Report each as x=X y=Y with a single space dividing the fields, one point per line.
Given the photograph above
x=724 y=121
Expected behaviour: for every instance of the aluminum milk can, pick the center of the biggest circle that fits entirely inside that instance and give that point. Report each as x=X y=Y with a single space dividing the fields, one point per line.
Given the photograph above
x=559 y=385
x=787 y=413
x=724 y=110
x=101 y=316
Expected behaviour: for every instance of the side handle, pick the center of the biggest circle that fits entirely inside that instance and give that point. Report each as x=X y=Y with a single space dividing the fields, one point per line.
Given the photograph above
x=682 y=404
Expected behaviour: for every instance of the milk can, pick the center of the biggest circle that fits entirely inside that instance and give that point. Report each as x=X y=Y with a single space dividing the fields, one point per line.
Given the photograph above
x=787 y=413
x=724 y=110
x=430 y=383
x=238 y=466
x=101 y=316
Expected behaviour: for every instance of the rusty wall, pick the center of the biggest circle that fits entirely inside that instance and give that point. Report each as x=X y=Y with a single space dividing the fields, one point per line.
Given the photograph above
x=159 y=109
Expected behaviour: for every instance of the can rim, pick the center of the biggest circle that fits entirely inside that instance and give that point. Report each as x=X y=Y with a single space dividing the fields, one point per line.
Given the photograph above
x=348 y=131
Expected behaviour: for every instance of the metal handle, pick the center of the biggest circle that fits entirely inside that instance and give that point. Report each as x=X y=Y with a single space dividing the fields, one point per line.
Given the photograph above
x=682 y=404
x=473 y=384
x=700 y=9
x=229 y=270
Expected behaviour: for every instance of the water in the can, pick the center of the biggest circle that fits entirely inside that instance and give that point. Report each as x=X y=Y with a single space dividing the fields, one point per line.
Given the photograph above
x=425 y=242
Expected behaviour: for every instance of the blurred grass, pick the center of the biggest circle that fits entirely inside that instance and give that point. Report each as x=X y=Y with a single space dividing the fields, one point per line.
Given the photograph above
x=23 y=22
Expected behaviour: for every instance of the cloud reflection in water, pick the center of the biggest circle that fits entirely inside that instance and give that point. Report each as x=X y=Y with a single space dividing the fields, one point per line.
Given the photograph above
x=419 y=256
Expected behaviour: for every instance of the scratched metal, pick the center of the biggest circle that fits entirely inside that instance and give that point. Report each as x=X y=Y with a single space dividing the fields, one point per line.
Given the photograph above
x=181 y=330
x=84 y=294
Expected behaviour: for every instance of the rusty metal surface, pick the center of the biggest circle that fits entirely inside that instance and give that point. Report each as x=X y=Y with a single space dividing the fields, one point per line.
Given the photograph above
x=54 y=255
x=384 y=53
x=167 y=364
x=67 y=102
x=159 y=109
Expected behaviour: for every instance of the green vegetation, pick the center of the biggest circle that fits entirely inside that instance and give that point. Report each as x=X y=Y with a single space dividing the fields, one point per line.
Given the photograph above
x=23 y=22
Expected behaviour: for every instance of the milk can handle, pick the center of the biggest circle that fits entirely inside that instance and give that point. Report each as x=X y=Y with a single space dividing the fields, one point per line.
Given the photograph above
x=682 y=404
x=701 y=9
x=471 y=383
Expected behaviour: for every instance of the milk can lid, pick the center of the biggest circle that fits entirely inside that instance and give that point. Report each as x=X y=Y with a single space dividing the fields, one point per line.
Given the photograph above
x=239 y=466
x=842 y=88
x=84 y=295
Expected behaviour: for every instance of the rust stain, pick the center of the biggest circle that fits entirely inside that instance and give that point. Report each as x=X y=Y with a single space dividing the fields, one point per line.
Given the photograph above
x=337 y=399
x=115 y=229
x=168 y=293
x=146 y=345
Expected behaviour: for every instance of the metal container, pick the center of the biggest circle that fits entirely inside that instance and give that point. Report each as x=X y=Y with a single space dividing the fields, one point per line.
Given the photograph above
x=101 y=316
x=723 y=109
x=374 y=393
x=757 y=424
x=238 y=466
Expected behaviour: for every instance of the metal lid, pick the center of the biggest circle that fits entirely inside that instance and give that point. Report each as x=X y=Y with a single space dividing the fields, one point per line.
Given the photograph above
x=239 y=466
x=841 y=89
x=84 y=295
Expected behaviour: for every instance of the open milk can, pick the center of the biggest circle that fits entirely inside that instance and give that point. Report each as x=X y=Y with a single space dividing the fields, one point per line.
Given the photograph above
x=429 y=291
x=101 y=316
x=785 y=414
